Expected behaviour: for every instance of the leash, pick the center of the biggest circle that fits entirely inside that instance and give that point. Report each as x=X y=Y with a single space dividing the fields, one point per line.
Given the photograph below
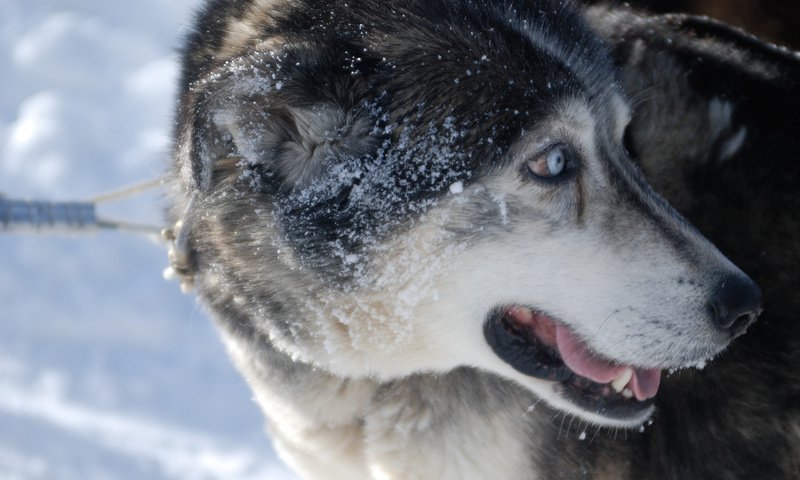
x=44 y=217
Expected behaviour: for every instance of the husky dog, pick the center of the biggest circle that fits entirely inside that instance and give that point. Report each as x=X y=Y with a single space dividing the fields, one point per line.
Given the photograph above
x=422 y=232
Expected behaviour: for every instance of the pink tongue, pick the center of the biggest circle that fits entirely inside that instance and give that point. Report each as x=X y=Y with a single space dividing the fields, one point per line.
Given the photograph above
x=644 y=383
x=581 y=360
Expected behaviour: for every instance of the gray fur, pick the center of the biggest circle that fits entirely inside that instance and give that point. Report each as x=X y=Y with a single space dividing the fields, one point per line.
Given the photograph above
x=360 y=204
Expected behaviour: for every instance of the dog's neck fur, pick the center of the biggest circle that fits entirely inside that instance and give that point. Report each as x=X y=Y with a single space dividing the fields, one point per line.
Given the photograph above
x=311 y=411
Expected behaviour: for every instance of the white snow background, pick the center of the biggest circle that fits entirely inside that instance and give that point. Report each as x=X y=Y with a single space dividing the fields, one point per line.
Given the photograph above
x=106 y=370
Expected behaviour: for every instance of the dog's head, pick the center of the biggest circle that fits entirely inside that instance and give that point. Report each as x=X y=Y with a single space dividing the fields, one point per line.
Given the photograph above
x=426 y=185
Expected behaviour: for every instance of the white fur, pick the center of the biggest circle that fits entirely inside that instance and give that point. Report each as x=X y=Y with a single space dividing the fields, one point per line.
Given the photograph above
x=625 y=302
x=401 y=445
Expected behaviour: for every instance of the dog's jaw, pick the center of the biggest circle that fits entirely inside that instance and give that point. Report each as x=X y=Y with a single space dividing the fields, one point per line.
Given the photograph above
x=541 y=348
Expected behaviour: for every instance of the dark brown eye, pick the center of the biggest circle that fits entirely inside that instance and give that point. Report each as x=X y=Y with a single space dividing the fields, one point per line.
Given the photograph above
x=550 y=163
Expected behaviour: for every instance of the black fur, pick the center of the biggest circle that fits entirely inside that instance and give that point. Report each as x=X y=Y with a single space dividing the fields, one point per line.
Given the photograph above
x=737 y=419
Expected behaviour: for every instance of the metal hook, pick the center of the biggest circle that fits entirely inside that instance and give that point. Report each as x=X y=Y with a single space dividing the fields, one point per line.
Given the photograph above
x=181 y=266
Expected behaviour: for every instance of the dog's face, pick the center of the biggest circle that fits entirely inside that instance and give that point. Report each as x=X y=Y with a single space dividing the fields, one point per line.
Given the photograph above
x=381 y=207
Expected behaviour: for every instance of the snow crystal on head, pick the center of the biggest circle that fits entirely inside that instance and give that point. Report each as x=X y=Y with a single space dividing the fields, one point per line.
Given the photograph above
x=355 y=201
x=257 y=73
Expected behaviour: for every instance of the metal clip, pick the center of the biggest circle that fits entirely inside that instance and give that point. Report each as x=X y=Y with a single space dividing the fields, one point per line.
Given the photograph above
x=181 y=266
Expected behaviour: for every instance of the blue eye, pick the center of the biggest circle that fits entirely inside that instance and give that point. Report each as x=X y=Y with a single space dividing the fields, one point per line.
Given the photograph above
x=550 y=163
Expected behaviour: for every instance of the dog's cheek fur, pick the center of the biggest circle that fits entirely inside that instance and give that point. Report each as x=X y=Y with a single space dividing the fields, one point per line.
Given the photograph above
x=354 y=331
x=523 y=268
x=626 y=313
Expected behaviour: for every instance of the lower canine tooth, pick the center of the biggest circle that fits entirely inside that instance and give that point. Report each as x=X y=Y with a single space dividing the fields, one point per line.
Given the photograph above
x=627 y=393
x=619 y=383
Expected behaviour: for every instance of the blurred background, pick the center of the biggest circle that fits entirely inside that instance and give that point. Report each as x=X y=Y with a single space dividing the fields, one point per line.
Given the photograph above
x=777 y=21
x=106 y=370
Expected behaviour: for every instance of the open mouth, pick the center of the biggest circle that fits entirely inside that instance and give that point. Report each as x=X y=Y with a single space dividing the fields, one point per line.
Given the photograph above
x=538 y=346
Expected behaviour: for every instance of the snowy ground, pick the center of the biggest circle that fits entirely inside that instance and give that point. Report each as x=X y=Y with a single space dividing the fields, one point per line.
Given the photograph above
x=106 y=370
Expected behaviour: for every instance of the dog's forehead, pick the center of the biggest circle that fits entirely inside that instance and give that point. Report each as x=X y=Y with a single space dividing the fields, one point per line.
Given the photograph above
x=475 y=60
x=498 y=72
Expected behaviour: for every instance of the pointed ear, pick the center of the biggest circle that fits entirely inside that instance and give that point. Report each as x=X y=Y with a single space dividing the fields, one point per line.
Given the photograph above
x=271 y=115
x=708 y=99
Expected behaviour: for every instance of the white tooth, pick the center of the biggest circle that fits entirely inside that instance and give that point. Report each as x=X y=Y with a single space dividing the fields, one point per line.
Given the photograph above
x=627 y=393
x=523 y=313
x=624 y=377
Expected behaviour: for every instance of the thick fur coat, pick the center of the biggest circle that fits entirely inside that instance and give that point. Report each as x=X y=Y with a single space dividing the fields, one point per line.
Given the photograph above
x=399 y=213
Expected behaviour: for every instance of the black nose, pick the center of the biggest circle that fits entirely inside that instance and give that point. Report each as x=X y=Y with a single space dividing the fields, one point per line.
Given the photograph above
x=735 y=304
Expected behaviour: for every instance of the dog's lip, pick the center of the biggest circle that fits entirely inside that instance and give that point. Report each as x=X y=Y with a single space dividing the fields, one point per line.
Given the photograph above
x=581 y=359
x=537 y=345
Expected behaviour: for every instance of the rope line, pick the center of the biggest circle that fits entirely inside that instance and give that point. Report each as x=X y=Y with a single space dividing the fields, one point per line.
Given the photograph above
x=127 y=191
x=71 y=217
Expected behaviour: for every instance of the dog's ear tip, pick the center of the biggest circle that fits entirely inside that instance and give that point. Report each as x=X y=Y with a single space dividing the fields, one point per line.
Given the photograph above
x=695 y=38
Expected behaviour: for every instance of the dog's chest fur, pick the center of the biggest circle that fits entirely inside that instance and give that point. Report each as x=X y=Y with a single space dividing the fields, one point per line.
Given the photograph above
x=450 y=426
